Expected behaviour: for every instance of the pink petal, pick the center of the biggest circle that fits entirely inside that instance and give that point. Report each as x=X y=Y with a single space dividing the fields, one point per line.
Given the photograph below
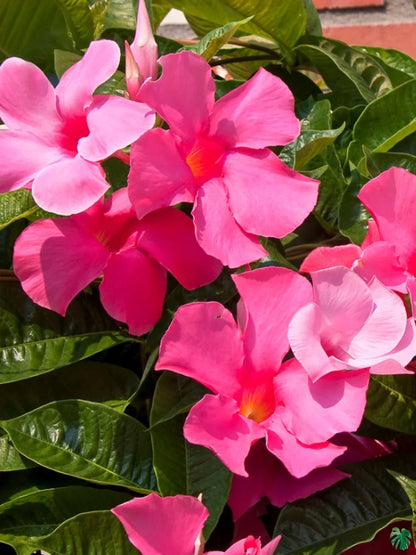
x=55 y=259
x=315 y=411
x=266 y=197
x=270 y=297
x=257 y=114
x=144 y=46
x=168 y=236
x=23 y=156
x=373 y=234
x=74 y=90
x=159 y=175
x=69 y=186
x=157 y=525
x=27 y=101
x=327 y=257
x=380 y=259
x=217 y=231
x=128 y=119
x=400 y=356
x=133 y=290
x=204 y=343
x=215 y=423
x=185 y=108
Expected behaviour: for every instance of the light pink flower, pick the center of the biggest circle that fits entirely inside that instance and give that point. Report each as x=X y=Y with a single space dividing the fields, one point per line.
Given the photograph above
x=57 y=137
x=351 y=324
x=172 y=525
x=255 y=395
x=214 y=155
x=56 y=258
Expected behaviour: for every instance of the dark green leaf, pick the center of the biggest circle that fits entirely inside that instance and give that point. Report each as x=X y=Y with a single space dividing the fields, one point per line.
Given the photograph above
x=79 y=19
x=393 y=58
x=377 y=162
x=353 y=216
x=409 y=487
x=10 y=458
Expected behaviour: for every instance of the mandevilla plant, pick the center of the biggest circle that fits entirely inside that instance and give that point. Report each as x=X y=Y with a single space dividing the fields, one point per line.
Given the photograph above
x=208 y=283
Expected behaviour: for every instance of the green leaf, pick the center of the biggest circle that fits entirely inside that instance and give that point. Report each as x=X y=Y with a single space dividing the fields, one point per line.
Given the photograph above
x=27 y=518
x=391 y=402
x=350 y=512
x=377 y=129
x=10 y=458
x=377 y=162
x=353 y=76
x=393 y=58
x=79 y=19
x=119 y=14
x=15 y=206
x=313 y=22
x=92 y=381
x=409 y=487
x=34 y=340
x=86 y=440
x=353 y=216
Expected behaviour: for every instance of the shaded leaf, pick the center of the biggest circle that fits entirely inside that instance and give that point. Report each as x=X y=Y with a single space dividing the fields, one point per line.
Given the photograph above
x=409 y=487
x=10 y=458
x=377 y=162
x=79 y=19
x=353 y=216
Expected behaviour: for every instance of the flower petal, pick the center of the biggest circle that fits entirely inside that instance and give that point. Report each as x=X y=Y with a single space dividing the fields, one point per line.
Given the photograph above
x=204 y=343
x=133 y=290
x=215 y=423
x=168 y=236
x=217 y=231
x=185 y=108
x=159 y=175
x=129 y=120
x=55 y=259
x=380 y=259
x=266 y=197
x=328 y=257
x=153 y=523
x=270 y=297
x=257 y=114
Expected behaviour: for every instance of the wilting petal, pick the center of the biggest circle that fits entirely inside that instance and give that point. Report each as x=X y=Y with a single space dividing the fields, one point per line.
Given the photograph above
x=114 y=123
x=133 y=290
x=217 y=231
x=270 y=297
x=159 y=175
x=55 y=259
x=266 y=197
x=27 y=101
x=168 y=236
x=69 y=186
x=328 y=257
x=315 y=411
x=204 y=343
x=77 y=84
x=157 y=525
x=185 y=108
x=23 y=156
x=257 y=114
x=215 y=423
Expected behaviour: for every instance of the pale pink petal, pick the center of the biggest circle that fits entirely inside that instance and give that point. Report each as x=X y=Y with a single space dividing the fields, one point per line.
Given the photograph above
x=74 y=90
x=215 y=423
x=168 y=236
x=327 y=257
x=55 y=259
x=69 y=186
x=315 y=411
x=380 y=260
x=299 y=458
x=184 y=105
x=133 y=290
x=22 y=157
x=270 y=548
x=266 y=197
x=388 y=367
x=128 y=120
x=27 y=100
x=400 y=356
x=159 y=526
x=270 y=297
x=411 y=288
x=204 y=343
x=257 y=114
x=159 y=175
x=217 y=231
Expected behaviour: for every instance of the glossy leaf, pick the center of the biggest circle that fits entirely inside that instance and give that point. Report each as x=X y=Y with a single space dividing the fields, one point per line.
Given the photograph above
x=353 y=216
x=409 y=487
x=10 y=458
x=15 y=206
x=79 y=19
x=378 y=162
x=393 y=58
x=86 y=440
x=34 y=340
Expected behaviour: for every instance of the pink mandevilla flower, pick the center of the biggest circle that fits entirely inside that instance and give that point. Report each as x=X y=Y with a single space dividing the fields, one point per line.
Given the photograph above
x=214 y=155
x=351 y=324
x=255 y=395
x=57 y=137
x=56 y=258
x=173 y=525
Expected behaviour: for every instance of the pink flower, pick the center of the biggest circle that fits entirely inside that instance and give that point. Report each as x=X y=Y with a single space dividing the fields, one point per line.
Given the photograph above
x=56 y=258
x=214 y=156
x=351 y=324
x=141 y=56
x=172 y=525
x=255 y=395
x=57 y=137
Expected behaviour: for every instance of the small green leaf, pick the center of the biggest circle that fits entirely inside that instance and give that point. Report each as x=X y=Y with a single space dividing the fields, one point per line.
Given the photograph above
x=409 y=486
x=353 y=216
x=378 y=162
x=15 y=206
